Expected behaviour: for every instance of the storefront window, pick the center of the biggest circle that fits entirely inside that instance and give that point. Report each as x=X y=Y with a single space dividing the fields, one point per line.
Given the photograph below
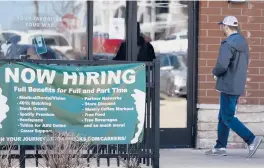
x=108 y=28
x=165 y=25
x=43 y=29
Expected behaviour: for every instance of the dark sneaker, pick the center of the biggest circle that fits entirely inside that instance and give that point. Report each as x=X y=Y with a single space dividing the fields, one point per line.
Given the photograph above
x=252 y=148
x=217 y=152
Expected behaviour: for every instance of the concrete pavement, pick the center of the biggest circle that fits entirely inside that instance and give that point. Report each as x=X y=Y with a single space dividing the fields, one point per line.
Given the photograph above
x=194 y=158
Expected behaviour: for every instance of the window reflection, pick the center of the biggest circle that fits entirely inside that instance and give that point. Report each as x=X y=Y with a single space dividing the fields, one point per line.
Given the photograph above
x=43 y=29
x=165 y=25
x=108 y=28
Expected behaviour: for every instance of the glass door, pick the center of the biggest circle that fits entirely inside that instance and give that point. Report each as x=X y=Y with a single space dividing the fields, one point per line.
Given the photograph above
x=165 y=25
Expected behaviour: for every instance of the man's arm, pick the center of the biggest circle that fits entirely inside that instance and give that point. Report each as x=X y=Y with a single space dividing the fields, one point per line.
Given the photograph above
x=223 y=60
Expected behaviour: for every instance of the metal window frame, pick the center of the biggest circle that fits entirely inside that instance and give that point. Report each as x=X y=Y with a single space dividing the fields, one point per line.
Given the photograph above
x=131 y=30
x=89 y=30
x=192 y=84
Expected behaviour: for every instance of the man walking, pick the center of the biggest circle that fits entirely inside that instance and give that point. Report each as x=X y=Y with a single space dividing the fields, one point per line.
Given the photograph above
x=230 y=72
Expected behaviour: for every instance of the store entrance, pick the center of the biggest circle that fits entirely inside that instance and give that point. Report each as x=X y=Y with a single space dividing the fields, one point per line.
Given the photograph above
x=174 y=47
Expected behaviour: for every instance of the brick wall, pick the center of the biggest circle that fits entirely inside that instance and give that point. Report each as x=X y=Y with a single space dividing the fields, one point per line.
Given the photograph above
x=250 y=109
x=251 y=18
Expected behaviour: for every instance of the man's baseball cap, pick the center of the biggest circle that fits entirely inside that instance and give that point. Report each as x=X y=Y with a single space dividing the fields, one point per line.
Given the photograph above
x=229 y=21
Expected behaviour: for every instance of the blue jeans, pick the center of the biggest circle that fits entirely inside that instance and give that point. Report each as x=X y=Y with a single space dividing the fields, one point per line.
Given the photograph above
x=227 y=121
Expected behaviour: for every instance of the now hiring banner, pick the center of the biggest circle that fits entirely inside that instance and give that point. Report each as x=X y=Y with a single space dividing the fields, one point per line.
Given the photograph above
x=102 y=104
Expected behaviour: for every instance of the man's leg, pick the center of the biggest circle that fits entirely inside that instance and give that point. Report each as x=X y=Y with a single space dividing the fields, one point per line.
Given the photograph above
x=222 y=130
x=222 y=134
x=228 y=116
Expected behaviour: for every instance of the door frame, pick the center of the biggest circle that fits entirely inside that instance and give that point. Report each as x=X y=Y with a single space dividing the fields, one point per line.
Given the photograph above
x=131 y=33
x=187 y=136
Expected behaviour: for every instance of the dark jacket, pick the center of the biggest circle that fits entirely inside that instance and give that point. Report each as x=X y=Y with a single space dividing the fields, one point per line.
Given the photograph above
x=145 y=53
x=232 y=65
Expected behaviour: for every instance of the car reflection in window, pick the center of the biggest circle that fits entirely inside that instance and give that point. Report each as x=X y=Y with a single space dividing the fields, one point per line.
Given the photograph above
x=173 y=75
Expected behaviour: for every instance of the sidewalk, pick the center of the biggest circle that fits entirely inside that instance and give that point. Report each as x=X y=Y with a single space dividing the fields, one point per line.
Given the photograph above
x=194 y=158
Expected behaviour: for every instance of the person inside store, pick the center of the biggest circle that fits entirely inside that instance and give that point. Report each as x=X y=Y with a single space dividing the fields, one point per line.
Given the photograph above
x=145 y=51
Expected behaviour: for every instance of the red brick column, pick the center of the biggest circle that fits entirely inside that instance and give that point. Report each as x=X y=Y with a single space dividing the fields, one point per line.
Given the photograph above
x=251 y=19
